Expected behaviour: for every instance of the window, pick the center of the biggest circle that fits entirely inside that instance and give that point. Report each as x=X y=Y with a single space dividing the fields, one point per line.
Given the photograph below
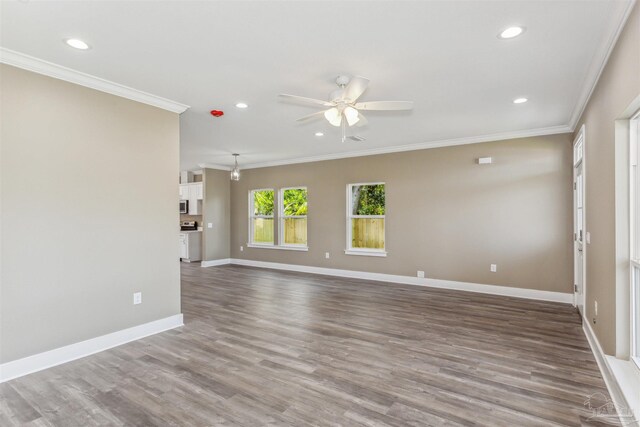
x=366 y=219
x=634 y=133
x=261 y=217
x=293 y=217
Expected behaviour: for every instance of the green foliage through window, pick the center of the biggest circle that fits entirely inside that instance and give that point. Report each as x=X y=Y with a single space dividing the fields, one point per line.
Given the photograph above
x=368 y=199
x=263 y=202
x=295 y=202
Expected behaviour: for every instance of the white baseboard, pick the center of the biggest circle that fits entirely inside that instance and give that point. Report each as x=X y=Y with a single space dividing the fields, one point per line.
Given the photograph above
x=622 y=373
x=408 y=280
x=215 y=262
x=58 y=356
x=508 y=291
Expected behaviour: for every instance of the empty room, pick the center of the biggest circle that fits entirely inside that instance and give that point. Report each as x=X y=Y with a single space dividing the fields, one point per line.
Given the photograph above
x=320 y=213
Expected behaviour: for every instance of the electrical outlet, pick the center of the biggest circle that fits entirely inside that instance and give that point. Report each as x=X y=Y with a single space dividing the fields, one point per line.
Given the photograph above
x=209 y=225
x=137 y=298
x=595 y=307
x=241 y=248
x=588 y=238
x=494 y=268
x=326 y=255
x=421 y=274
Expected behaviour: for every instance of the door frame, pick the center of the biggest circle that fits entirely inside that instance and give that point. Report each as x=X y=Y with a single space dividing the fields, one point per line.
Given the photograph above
x=580 y=136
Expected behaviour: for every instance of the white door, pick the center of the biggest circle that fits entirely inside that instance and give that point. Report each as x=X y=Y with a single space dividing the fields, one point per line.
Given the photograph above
x=579 y=223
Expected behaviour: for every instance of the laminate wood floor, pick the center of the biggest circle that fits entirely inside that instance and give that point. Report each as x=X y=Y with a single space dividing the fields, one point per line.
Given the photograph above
x=263 y=347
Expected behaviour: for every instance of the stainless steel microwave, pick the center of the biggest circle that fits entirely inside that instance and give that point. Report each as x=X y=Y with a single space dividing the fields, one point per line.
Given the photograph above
x=184 y=206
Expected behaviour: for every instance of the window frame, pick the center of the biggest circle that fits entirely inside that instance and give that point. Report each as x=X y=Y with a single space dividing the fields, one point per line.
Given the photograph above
x=252 y=216
x=282 y=217
x=634 y=236
x=364 y=251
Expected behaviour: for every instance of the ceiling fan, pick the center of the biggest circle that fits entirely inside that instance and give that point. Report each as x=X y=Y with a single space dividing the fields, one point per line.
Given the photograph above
x=343 y=110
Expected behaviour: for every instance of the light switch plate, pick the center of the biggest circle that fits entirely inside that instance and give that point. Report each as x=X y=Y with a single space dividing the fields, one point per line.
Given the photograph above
x=326 y=255
x=494 y=268
x=209 y=225
x=241 y=248
x=137 y=298
x=588 y=237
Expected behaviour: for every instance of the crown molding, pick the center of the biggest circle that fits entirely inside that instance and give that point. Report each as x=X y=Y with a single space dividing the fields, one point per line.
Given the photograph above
x=56 y=71
x=597 y=68
x=553 y=130
x=214 y=166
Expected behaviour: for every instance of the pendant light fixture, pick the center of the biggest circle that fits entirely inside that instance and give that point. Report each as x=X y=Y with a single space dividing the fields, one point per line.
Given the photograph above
x=235 y=172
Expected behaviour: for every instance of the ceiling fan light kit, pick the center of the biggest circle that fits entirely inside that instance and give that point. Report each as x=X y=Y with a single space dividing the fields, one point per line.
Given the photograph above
x=343 y=110
x=333 y=116
x=351 y=114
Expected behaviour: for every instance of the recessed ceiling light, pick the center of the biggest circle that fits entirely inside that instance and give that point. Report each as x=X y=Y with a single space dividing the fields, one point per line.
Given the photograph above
x=319 y=134
x=241 y=105
x=77 y=43
x=511 y=32
x=520 y=100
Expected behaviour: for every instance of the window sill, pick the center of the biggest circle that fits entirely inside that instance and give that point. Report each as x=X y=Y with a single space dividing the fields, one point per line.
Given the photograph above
x=284 y=248
x=365 y=253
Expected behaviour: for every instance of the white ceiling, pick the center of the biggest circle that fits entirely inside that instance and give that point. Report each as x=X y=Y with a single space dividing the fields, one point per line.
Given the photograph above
x=443 y=55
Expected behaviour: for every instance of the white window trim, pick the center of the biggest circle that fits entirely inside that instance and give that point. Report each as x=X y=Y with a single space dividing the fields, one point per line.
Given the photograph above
x=635 y=311
x=282 y=217
x=364 y=251
x=252 y=216
x=280 y=247
x=634 y=153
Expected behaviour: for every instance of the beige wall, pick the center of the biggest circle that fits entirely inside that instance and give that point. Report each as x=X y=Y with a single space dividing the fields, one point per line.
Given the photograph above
x=618 y=86
x=216 y=211
x=79 y=170
x=446 y=215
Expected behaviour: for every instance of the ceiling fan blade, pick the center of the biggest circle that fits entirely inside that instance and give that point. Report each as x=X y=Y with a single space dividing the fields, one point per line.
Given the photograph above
x=355 y=88
x=304 y=100
x=310 y=117
x=362 y=120
x=384 y=105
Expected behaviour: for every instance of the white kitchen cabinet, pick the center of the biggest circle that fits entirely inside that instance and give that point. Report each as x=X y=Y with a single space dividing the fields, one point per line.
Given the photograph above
x=184 y=251
x=190 y=246
x=193 y=192
x=184 y=192
x=195 y=207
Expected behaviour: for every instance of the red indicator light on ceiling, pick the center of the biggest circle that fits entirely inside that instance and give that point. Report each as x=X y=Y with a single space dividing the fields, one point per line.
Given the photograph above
x=217 y=113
